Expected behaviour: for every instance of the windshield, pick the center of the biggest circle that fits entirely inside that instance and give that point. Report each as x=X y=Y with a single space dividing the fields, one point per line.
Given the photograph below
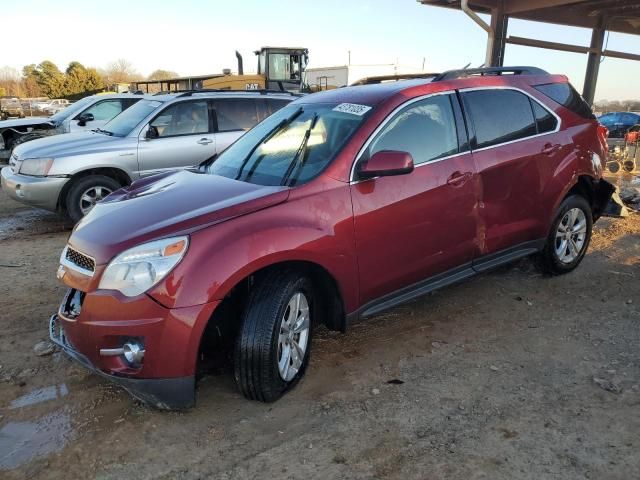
x=72 y=109
x=291 y=146
x=122 y=125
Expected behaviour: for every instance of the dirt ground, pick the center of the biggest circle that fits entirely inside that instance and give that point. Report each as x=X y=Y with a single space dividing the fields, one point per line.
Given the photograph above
x=509 y=375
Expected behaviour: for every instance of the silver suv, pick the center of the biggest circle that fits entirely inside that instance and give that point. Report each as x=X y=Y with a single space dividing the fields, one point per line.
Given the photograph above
x=70 y=173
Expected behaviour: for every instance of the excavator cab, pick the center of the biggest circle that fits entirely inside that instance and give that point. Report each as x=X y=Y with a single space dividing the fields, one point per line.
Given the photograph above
x=282 y=68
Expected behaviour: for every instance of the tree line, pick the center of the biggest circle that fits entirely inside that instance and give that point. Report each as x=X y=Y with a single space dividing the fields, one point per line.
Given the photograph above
x=617 y=106
x=47 y=80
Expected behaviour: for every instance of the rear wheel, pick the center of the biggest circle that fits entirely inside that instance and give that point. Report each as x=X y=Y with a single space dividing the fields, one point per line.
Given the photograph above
x=273 y=345
x=569 y=237
x=86 y=192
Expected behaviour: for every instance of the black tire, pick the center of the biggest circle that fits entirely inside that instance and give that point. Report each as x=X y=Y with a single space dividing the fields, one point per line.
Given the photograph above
x=629 y=165
x=79 y=187
x=614 y=167
x=548 y=259
x=256 y=351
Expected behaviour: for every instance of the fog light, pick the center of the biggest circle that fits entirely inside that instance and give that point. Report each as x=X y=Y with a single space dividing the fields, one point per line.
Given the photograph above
x=133 y=352
x=19 y=191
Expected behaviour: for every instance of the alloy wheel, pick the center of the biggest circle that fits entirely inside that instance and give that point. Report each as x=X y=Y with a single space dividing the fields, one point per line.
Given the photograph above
x=91 y=196
x=571 y=235
x=293 y=337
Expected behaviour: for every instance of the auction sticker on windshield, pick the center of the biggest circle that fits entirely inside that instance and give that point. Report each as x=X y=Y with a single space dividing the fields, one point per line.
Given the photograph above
x=352 y=108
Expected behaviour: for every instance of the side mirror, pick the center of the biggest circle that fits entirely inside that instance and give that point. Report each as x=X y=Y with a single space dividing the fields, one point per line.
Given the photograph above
x=84 y=118
x=152 y=132
x=386 y=163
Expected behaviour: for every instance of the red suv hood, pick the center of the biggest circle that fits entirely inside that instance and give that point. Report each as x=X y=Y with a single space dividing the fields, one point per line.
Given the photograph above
x=166 y=205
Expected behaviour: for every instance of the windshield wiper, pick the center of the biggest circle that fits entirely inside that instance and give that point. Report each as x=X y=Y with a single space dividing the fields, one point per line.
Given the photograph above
x=270 y=134
x=105 y=132
x=302 y=150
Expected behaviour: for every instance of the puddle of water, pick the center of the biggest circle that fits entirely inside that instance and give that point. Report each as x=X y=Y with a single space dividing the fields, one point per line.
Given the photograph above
x=33 y=221
x=40 y=395
x=20 y=442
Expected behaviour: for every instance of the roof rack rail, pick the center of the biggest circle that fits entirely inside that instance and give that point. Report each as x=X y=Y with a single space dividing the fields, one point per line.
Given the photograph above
x=453 y=74
x=188 y=93
x=387 y=78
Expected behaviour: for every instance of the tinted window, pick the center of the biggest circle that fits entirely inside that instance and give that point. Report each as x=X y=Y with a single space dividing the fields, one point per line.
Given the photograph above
x=545 y=121
x=609 y=118
x=269 y=106
x=629 y=118
x=426 y=129
x=565 y=95
x=183 y=118
x=236 y=114
x=105 y=110
x=499 y=116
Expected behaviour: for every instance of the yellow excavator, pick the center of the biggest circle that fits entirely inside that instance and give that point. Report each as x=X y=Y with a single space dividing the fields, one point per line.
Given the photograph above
x=279 y=68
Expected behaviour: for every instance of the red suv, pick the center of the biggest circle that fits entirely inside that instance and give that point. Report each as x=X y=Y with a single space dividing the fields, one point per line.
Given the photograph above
x=340 y=205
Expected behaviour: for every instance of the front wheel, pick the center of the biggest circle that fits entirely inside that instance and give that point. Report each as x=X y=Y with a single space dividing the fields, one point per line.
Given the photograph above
x=569 y=237
x=86 y=192
x=273 y=345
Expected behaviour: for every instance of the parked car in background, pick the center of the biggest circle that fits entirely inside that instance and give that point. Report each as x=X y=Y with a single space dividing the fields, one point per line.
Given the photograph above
x=86 y=114
x=10 y=107
x=71 y=173
x=618 y=123
x=341 y=205
x=55 y=105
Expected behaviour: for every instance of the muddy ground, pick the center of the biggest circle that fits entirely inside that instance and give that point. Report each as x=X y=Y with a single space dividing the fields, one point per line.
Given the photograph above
x=492 y=378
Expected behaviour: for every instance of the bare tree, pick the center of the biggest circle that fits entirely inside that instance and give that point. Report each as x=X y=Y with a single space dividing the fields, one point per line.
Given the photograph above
x=11 y=82
x=121 y=71
x=161 y=74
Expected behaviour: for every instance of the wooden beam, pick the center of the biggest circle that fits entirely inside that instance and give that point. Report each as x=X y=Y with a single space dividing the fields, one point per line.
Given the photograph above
x=564 y=47
x=530 y=42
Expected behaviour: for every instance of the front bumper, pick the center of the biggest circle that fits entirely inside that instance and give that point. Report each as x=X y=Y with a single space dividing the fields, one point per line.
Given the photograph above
x=41 y=192
x=163 y=393
x=87 y=325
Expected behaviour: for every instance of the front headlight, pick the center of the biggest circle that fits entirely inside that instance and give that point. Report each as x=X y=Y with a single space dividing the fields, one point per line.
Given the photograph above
x=38 y=167
x=138 y=269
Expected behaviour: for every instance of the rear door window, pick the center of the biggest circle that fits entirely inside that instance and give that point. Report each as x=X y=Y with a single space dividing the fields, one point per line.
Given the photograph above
x=499 y=116
x=233 y=114
x=545 y=121
x=426 y=129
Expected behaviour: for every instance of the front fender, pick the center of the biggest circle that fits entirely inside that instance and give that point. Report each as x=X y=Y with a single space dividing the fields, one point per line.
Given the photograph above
x=316 y=228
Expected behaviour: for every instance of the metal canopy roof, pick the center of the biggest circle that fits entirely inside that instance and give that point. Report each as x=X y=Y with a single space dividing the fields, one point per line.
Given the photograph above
x=600 y=16
x=621 y=16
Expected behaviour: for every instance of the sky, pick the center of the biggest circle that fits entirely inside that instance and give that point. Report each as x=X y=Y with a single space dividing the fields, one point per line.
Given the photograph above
x=195 y=37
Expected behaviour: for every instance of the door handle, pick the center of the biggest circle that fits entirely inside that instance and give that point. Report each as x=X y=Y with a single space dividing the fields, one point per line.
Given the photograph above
x=457 y=178
x=204 y=141
x=550 y=149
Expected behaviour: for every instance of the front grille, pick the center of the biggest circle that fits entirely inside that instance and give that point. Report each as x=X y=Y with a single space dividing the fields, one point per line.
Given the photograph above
x=81 y=260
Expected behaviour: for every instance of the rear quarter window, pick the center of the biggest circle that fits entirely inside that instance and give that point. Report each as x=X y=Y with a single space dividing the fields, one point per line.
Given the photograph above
x=566 y=95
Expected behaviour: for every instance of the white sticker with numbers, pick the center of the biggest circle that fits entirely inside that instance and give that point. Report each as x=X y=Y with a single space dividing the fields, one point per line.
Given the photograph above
x=352 y=108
